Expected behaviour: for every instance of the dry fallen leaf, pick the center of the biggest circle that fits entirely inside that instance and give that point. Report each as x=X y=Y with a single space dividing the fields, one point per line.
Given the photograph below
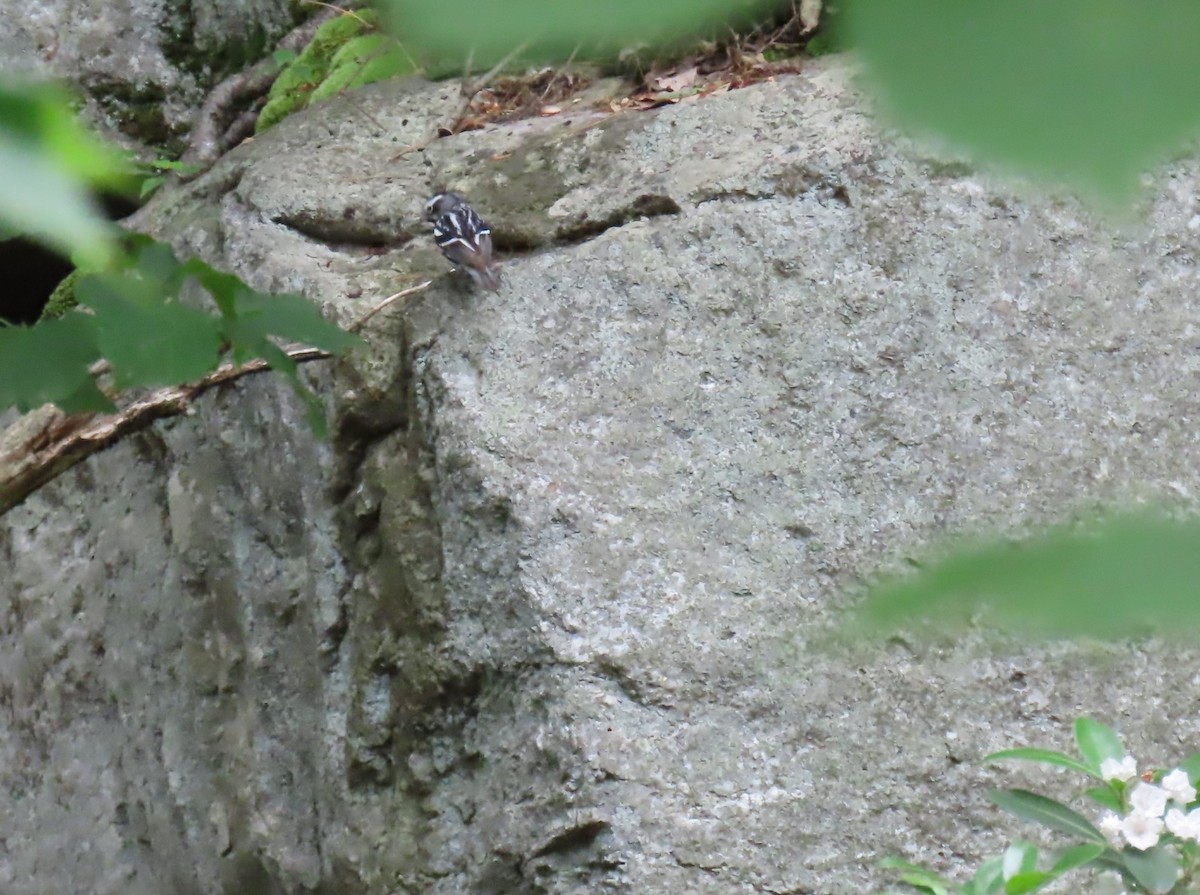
x=550 y=110
x=648 y=101
x=678 y=81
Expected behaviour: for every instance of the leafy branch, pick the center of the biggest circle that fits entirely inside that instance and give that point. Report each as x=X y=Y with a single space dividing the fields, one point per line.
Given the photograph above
x=48 y=441
x=132 y=315
x=141 y=321
x=1149 y=834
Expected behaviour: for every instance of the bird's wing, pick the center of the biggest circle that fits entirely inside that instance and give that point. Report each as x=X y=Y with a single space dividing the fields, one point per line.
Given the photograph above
x=464 y=238
x=468 y=252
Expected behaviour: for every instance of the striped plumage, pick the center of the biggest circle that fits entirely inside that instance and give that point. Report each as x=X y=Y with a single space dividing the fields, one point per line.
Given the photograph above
x=464 y=237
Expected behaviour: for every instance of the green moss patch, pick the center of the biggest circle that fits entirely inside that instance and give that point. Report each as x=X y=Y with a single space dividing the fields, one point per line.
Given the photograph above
x=346 y=52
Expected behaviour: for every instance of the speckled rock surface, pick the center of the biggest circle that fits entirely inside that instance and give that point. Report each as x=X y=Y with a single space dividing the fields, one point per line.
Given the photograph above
x=143 y=65
x=549 y=614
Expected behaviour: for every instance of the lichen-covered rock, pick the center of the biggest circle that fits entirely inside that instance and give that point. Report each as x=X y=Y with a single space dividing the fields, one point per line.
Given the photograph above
x=551 y=611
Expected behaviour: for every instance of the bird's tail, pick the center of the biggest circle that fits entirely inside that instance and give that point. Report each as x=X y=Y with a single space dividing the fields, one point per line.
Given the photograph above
x=486 y=275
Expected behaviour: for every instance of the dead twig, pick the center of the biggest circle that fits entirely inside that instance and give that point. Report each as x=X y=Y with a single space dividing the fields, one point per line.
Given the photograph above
x=41 y=450
x=566 y=67
x=391 y=299
x=469 y=90
x=341 y=10
x=221 y=123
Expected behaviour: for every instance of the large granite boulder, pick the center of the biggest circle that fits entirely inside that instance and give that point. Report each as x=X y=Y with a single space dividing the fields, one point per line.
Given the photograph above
x=552 y=610
x=144 y=66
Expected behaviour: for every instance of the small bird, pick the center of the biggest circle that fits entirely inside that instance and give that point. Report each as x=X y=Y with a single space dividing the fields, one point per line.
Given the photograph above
x=464 y=237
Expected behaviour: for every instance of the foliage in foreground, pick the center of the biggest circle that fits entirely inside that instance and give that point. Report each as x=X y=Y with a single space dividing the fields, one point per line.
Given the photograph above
x=131 y=316
x=49 y=163
x=565 y=28
x=128 y=286
x=346 y=52
x=1148 y=834
x=1084 y=92
x=1132 y=575
x=1089 y=91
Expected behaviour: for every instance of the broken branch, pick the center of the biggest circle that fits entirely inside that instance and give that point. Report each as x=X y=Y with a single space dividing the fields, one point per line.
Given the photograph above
x=47 y=442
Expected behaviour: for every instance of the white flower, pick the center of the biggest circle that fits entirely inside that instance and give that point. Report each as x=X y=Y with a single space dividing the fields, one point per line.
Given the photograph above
x=1123 y=769
x=1178 y=787
x=1110 y=826
x=1148 y=799
x=1185 y=826
x=1142 y=830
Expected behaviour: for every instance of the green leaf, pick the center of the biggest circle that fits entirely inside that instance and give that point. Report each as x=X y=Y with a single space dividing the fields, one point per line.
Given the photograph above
x=1029 y=881
x=166 y=164
x=251 y=320
x=1106 y=797
x=149 y=185
x=281 y=363
x=1191 y=766
x=49 y=161
x=314 y=411
x=1156 y=869
x=364 y=60
x=1076 y=856
x=225 y=288
x=1047 y=812
x=40 y=115
x=148 y=340
x=289 y=317
x=1132 y=574
x=917 y=876
x=988 y=878
x=1097 y=742
x=254 y=317
x=155 y=260
x=1020 y=857
x=87 y=397
x=556 y=29
x=49 y=362
x=1040 y=85
x=153 y=173
x=1111 y=859
x=38 y=199
x=1045 y=756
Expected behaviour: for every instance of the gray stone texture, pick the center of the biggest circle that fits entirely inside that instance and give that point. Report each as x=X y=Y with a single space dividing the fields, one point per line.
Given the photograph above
x=552 y=611
x=144 y=66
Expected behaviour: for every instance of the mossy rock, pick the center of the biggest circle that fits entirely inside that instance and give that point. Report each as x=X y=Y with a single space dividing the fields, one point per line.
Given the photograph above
x=364 y=60
x=62 y=299
x=347 y=51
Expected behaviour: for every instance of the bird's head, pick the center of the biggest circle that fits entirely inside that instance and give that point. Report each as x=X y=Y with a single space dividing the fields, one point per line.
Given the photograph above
x=441 y=204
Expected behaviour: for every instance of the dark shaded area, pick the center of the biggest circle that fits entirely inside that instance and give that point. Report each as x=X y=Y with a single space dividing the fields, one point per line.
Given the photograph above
x=32 y=272
x=648 y=205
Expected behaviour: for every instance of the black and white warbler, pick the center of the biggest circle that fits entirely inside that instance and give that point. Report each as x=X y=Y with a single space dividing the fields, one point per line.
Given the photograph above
x=464 y=237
